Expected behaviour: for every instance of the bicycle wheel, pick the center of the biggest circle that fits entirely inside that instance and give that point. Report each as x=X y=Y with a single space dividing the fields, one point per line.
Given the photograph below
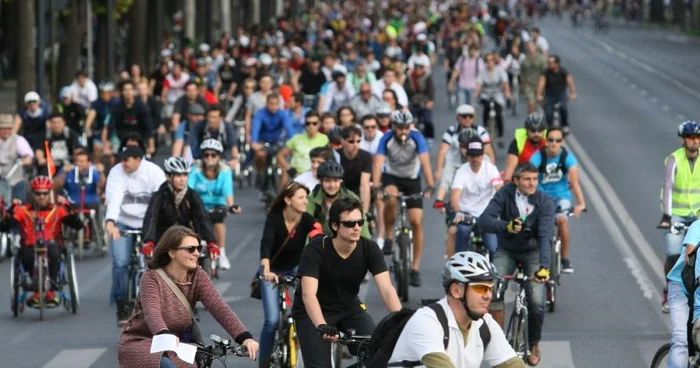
x=551 y=295
x=279 y=350
x=72 y=278
x=659 y=359
x=517 y=334
x=81 y=242
x=40 y=285
x=491 y=127
x=404 y=268
x=14 y=286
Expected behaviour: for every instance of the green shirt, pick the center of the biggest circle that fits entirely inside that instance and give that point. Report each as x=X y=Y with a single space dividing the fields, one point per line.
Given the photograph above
x=301 y=144
x=531 y=68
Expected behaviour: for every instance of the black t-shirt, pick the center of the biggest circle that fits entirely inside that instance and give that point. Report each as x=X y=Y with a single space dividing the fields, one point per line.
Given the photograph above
x=62 y=146
x=274 y=235
x=311 y=83
x=339 y=279
x=125 y=120
x=555 y=82
x=73 y=113
x=182 y=105
x=228 y=75
x=513 y=148
x=159 y=78
x=362 y=163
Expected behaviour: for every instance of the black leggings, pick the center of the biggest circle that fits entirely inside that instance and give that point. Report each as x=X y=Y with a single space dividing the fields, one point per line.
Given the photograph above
x=499 y=116
x=317 y=351
x=26 y=255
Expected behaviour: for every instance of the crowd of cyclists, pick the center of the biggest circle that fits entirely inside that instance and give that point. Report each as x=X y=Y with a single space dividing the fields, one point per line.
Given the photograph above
x=342 y=105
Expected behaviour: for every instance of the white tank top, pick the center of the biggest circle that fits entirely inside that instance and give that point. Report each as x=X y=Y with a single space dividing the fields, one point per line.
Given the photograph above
x=176 y=87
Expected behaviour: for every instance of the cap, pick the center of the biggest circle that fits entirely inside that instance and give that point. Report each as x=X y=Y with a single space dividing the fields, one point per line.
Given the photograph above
x=244 y=41
x=131 y=151
x=298 y=50
x=204 y=47
x=7 y=121
x=202 y=62
x=475 y=147
x=196 y=109
x=384 y=109
x=465 y=110
x=419 y=62
x=31 y=96
x=65 y=92
x=422 y=37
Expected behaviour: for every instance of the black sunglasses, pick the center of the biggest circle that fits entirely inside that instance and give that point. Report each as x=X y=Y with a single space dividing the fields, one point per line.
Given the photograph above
x=41 y=194
x=536 y=130
x=208 y=155
x=312 y=123
x=464 y=116
x=352 y=223
x=555 y=140
x=191 y=248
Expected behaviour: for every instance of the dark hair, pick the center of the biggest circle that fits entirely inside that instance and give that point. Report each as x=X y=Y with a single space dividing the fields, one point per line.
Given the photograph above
x=81 y=73
x=536 y=29
x=272 y=96
x=80 y=151
x=123 y=84
x=556 y=129
x=55 y=114
x=342 y=204
x=393 y=93
x=350 y=130
x=525 y=167
x=287 y=191
x=133 y=136
x=298 y=96
x=556 y=58
x=367 y=117
x=312 y=114
x=191 y=83
x=215 y=107
x=170 y=240
x=340 y=111
x=324 y=152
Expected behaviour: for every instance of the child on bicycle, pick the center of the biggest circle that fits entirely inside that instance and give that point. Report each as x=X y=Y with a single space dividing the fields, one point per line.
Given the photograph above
x=52 y=217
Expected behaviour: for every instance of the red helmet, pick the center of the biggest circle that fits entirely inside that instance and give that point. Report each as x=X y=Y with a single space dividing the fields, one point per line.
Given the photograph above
x=42 y=182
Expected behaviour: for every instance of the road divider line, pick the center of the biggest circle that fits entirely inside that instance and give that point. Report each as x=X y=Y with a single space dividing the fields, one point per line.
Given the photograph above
x=75 y=358
x=223 y=286
x=239 y=248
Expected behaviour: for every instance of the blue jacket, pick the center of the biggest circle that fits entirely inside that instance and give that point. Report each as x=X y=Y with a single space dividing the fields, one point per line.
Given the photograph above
x=502 y=209
x=268 y=127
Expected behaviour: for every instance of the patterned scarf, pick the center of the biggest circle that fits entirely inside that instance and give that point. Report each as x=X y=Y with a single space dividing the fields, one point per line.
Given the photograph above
x=178 y=195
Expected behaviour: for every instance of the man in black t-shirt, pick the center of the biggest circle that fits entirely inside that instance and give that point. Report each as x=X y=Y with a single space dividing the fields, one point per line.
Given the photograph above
x=62 y=142
x=331 y=272
x=552 y=88
x=357 y=164
x=129 y=116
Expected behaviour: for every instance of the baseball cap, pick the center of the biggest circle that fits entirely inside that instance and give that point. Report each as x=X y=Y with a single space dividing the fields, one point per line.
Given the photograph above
x=475 y=147
x=131 y=151
x=465 y=109
x=7 y=121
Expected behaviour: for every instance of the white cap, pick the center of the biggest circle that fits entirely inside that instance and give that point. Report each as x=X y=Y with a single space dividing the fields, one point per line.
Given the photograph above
x=250 y=62
x=465 y=110
x=422 y=37
x=166 y=52
x=204 y=47
x=340 y=68
x=66 y=92
x=31 y=96
x=265 y=59
x=244 y=40
x=298 y=50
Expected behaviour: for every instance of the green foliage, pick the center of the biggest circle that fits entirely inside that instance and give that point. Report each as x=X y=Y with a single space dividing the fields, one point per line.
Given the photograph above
x=121 y=7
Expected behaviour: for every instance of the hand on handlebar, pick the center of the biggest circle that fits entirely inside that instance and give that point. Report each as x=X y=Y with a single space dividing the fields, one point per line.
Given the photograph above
x=515 y=225
x=147 y=248
x=252 y=347
x=270 y=276
x=328 y=333
x=214 y=251
x=459 y=217
x=112 y=230
x=235 y=209
x=542 y=274
x=578 y=209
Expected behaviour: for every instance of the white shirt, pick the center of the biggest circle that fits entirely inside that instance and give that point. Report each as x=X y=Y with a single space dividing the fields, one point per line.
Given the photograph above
x=525 y=208
x=336 y=97
x=378 y=88
x=307 y=178
x=542 y=44
x=128 y=194
x=477 y=187
x=86 y=94
x=371 y=146
x=423 y=334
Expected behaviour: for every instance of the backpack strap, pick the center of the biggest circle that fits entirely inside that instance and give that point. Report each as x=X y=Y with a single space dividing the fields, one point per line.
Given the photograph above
x=485 y=334
x=543 y=161
x=442 y=317
x=562 y=160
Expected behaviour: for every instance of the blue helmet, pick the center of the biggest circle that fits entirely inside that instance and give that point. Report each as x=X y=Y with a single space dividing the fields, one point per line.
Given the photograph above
x=688 y=128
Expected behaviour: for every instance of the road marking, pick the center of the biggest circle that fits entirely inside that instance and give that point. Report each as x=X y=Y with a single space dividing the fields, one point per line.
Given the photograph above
x=242 y=245
x=75 y=358
x=233 y=299
x=561 y=350
x=223 y=286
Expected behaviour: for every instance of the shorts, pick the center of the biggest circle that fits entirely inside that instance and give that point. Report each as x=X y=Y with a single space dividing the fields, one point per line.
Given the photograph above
x=529 y=93
x=561 y=205
x=673 y=243
x=448 y=175
x=405 y=186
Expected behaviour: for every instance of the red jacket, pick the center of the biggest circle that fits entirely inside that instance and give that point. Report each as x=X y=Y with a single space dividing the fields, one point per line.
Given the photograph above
x=52 y=217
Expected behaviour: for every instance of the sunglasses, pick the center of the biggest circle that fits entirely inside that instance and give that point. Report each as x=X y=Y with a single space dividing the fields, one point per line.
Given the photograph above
x=696 y=137
x=354 y=142
x=464 y=116
x=367 y=91
x=352 y=223
x=481 y=289
x=192 y=248
x=314 y=123
x=210 y=155
x=41 y=194
x=555 y=140
x=369 y=127
x=536 y=131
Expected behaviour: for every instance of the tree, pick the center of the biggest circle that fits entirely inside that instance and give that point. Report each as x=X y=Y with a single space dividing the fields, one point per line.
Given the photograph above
x=72 y=20
x=138 y=41
x=99 y=8
x=26 y=46
x=656 y=11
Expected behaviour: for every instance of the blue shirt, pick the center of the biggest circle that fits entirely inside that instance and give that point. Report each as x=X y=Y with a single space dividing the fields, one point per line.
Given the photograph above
x=268 y=127
x=402 y=159
x=71 y=185
x=556 y=184
x=102 y=110
x=298 y=122
x=213 y=192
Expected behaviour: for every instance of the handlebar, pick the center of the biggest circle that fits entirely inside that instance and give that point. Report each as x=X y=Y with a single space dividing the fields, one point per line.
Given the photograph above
x=679 y=227
x=284 y=280
x=569 y=212
x=349 y=337
x=130 y=232
x=403 y=197
x=221 y=347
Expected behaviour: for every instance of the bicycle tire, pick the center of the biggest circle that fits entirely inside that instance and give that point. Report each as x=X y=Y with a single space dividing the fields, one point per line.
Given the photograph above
x=516 y=334
x=80 y=243
x=40 y=285
x=404 y=267
x=551 y=296
x=660 y=355
x=491 y=126
x=336 y=355
x=99 y=239
x=72 y=280
x=205 y=263
x=14 y=287
x=278 y=356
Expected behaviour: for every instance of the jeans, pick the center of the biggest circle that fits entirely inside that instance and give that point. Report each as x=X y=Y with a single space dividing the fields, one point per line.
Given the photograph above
x=674 y=242
x=549 y=102
x=121 y=256
x=678 y=304
x=464 y=240
x=316 y=351
x=505 y=263
x=465 y=95
x=166 y=362
x=271 y=308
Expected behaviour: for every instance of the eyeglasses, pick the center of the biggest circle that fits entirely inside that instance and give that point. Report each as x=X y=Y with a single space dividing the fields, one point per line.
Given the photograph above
x=481 y=289
x=464 y=116
x=695 y=137
x=210 y=155
x=536 y=130
x=354 y=142
x=370 y=127
x=555 y=140
x=314 y=123
x=41 y=194
x=191 y=248
x=352 y=223
x=365 y=91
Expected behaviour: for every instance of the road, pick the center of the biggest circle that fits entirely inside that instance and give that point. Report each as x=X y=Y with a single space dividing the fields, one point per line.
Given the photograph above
x=634 y=86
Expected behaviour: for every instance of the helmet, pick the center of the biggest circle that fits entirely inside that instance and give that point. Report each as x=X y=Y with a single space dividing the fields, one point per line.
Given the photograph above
x=211 y=144
x=176 y=165
x=465 y=135
x=535 y=121
x=334 y=134
x=400 y=117
x=42 y=182
x=204 y=47
x=468 y=266
x=689 y=128
x=265 y=59
x=106 y=86
x=330 y=169
x=384 y=109
x=31 y=96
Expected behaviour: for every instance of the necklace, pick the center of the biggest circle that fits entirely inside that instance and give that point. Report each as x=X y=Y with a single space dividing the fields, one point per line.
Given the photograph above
x=177 y=281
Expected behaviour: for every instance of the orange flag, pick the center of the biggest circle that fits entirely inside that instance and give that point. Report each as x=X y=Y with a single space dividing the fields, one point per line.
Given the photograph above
x=49 y=160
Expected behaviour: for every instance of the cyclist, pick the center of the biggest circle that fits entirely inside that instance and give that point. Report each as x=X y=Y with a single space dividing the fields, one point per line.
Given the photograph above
x=356 y=163
x=130 y=185
x=360 y=76
x=176 y=204
x=174 y=88
x=468 y=279
x=318 y=156
x=83 y=89
x=467 y=68
x=98 y=116
x=61 y=140
x=297 y=112
x=73 y=113
x=182 y=105
x=552 y=89
x=364 y=103
x=527 y=141
x=345 y=116
x=259 y=100
x=13 y=147
x=558 y=178
x=678 y=197
x=300 y=145
x=268 y=126
x=71 y=179
x=371 y=136
x=159 y=310
x=384 y=117
x=523 y=219
x=532 y=67
x=421 y=94
x=195 y=114
x=30 y=120
x=128 y=116
x=213 y=180
x=284 y=236
x=338 y=94
x=214 y=127
x=388 y=81
x=475 y=183
x=330 y=175
x=331 y=270
x=401 y=156
x=53 y=216
x=492 y=84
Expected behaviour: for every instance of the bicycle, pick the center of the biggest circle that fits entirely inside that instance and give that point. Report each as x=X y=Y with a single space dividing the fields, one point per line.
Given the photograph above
x=515 y=93
x=402 y=258
x=286 y=352
x=661 y=356
x=349 y=338
x=476 y=235
x=517 y=331
x=91 y=232
x=555 y=270
x=271 y=176
x=137 y=266
x=556 y=115
x=242 y=171
x=491 y=122
x=206 y=355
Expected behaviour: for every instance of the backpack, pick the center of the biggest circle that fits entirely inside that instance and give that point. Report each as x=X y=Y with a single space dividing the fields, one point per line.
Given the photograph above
x=386 y=334
x=688 y=273
x=560 y=166
x=206 y=134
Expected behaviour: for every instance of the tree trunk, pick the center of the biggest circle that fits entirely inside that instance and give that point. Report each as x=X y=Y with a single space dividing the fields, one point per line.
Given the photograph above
x=138 y=21
x=696 y=15
x=656 y=11
x=101 y=48
x=71 y=43
x=25 y=49
x=678 y=11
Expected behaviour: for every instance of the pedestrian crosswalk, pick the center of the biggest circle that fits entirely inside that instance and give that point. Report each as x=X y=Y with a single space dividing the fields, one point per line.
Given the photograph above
x=75 y=358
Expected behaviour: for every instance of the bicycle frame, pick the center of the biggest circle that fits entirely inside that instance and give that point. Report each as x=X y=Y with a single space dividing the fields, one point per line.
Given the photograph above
x=518 y=322
x=284 y=352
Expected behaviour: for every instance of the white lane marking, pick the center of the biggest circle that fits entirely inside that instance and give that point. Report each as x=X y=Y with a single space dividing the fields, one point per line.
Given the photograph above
x=75 y=358
x=242 y=245
x=222 y=287
x=622 y=216
x=233 y=299
x=556 y=354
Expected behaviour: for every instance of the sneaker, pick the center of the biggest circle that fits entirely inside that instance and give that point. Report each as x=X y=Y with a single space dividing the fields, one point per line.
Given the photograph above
x=34 y=299
x=664 y=302
x=387 y=247
x=566 y=266
x=223 y=261
x=52 y=298
x=414 y=279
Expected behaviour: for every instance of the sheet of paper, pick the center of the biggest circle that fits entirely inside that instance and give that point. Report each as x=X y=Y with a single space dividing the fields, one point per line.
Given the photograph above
x=166 y=342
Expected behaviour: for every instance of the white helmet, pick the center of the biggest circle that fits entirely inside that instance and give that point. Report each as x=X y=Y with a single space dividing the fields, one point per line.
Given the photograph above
x=176 y=165
x=265 y=59
x=31 y=96
x=204 y=47
x=211 y=144
x=468 y=266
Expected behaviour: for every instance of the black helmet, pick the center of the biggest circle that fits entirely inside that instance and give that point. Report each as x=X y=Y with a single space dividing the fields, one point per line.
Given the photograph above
x=535 y=121
x=334 y=134
x=330 y=169
x=465 y=135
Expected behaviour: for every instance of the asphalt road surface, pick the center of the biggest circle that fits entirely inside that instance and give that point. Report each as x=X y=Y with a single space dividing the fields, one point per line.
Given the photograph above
x=634 y=86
